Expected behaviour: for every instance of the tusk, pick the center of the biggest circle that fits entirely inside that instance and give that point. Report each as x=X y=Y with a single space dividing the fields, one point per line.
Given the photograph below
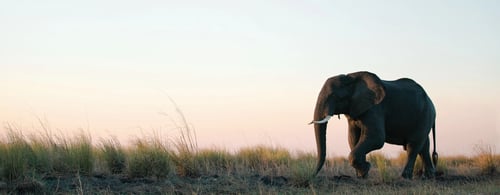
x=322 y=121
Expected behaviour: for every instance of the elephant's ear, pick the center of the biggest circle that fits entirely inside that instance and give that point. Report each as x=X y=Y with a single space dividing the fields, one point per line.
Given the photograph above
x=368 y=91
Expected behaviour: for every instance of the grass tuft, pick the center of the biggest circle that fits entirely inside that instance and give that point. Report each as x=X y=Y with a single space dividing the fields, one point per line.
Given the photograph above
x=485 y=159
x=186 y=146
x=339 y=166
x=42 y=150
x=214 y=161
x=382 y=164
x=186 y=164
x=302 y=171
x=261 y=158
x=148 y=159
x=114 y=155
x=44 y=163
x=73 y=155
x=17 y=158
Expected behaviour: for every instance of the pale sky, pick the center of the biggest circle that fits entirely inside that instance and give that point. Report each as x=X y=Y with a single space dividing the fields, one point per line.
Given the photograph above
x=243 y=72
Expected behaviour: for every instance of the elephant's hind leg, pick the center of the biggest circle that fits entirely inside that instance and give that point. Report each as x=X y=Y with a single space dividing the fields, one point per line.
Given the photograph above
x=412 y=149
x=429 y=167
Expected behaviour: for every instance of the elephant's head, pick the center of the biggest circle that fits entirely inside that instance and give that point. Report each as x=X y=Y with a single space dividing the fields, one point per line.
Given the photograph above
x=352 y=95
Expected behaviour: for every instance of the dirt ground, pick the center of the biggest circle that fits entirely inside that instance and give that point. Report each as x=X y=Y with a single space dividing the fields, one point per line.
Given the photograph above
x=250 y=184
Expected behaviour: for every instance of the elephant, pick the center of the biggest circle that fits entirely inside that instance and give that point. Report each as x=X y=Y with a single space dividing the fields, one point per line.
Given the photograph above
x=397 y=112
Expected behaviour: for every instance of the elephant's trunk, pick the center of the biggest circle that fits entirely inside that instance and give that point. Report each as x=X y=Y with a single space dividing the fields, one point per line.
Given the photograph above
x=320 y=123
x=320 y=131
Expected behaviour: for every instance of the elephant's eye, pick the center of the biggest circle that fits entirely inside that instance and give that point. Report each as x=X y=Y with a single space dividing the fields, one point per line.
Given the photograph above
x=341 y=94
x=338 y=96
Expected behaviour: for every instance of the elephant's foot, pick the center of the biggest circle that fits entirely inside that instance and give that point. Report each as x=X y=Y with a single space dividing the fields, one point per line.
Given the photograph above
x=430 y=174
x=407 y=174
x=362 y=171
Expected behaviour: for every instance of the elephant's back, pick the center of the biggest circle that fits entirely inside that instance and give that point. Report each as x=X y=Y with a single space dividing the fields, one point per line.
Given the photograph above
x=404 y=86
x=402 y=83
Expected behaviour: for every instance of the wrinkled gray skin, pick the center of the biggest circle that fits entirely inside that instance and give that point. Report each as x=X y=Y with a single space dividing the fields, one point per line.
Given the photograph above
x=397 y=112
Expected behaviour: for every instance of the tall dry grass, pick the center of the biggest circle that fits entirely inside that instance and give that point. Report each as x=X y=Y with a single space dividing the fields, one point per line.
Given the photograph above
x=262 y=158
x=383 y=166
x=36 y=155
x=161 y=157
x=17 y=157
x=113 y=155
x=301 y=168
x=185 y=147
x=486 y=160
x=215 y=162
x=75 y=155
x=148 y=158
x=24 y=156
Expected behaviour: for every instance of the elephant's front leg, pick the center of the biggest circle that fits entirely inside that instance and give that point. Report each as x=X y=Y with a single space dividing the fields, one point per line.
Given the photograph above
x=362 y=141
x=354 y=134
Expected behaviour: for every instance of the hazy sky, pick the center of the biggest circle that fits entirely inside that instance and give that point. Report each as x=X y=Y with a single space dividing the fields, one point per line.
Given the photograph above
x=243 y=72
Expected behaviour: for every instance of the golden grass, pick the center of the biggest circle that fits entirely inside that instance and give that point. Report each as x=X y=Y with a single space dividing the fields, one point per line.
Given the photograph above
x=261 y=158
x=383 y=166
x=486 y=160
x=113 y=155
x=17 y=157
x=34 y=157
x=148 y=158
x=301 y=171
x=46 y=163
x=213 y=161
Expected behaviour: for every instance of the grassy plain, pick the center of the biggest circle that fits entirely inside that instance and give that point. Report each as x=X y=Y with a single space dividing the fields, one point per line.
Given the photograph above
x=47 y=163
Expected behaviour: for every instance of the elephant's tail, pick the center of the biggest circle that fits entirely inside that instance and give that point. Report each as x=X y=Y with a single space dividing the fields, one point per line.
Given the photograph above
x=434 y=153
